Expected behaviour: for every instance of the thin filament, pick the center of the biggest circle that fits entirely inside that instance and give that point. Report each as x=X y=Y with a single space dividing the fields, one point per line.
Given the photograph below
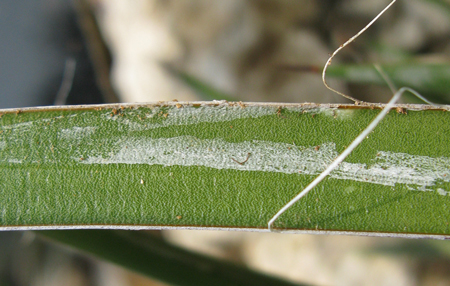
x=394 y=89
x=346 y=152
x=328 y=63
x=386 y=78
x=66 y=84
x=338 y=160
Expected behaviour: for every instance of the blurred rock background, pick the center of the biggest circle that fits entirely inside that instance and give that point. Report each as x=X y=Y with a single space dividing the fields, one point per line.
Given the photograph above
x=239 y=46
x=133 y=50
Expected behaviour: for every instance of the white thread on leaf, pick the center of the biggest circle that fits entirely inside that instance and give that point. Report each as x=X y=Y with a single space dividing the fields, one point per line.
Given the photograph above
x=363 y=134
x=345 y=153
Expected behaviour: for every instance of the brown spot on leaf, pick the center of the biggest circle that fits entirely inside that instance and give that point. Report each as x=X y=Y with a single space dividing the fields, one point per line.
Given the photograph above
x=401 y=110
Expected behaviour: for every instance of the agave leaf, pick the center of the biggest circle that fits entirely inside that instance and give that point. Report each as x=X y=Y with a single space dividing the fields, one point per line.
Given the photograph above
x=225 y=166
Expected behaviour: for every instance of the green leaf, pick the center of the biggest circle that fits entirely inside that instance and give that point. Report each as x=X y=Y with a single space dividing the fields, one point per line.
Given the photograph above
x=432 y=80
x=225 y=166
x=152 y=256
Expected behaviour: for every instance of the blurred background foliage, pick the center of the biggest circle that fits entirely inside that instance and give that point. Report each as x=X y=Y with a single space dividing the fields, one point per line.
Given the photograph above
x=99 y=51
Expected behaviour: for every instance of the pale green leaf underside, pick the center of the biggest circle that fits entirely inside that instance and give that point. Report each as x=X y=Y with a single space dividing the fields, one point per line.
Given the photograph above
x=182 y=165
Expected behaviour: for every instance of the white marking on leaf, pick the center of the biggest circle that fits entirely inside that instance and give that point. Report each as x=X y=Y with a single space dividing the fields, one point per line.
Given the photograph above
x=388 y=168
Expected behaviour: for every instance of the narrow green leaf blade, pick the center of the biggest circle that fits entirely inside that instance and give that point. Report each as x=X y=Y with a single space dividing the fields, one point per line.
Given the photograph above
x=225 y=165
x=158 y=259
